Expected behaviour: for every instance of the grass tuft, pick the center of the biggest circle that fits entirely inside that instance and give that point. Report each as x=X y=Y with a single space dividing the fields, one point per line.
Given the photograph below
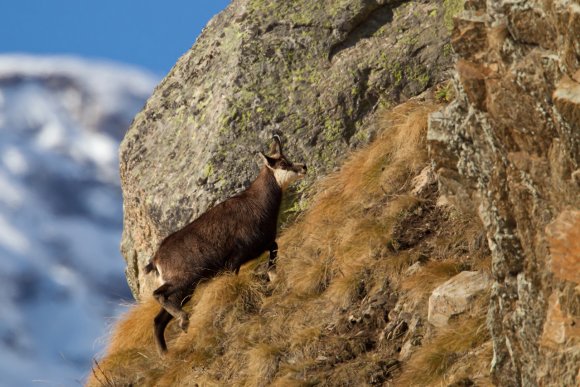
x=432 y=362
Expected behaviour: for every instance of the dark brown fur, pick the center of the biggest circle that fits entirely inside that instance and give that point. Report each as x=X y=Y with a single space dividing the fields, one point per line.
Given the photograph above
x=223 y=238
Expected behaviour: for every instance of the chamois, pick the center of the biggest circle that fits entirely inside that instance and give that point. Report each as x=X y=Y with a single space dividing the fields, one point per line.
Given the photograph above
x=222 y=239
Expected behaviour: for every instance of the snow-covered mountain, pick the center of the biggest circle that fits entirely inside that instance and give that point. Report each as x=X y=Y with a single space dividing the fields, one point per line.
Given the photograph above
x=61 y=274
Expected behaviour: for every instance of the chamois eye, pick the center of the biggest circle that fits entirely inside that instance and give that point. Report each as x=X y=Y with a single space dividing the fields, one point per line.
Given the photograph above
x=283 y=164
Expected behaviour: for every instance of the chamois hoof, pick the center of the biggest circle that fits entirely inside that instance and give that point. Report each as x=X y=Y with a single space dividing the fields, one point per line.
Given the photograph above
x=184 y=323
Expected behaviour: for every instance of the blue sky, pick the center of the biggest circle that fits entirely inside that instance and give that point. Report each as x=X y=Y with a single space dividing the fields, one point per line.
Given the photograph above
x=149 y=33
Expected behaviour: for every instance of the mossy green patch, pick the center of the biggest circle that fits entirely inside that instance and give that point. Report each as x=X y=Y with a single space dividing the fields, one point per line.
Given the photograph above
x=452 y=8
x=332 y=130
x=447 y=49
x=208 y=170
x=445 y=92
x=397 y=73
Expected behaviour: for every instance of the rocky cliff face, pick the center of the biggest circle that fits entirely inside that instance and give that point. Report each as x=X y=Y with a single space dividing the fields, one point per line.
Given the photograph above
x=312 y=71
x=510 y=146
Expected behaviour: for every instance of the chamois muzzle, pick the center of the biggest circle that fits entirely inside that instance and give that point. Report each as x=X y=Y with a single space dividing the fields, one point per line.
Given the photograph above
x=300 y=169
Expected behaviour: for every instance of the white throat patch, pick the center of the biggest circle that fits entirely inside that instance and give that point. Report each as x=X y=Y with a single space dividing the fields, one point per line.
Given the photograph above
x=284 y=177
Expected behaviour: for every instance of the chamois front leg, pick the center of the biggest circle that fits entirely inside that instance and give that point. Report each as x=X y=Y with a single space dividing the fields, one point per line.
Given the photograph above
x=272 y=261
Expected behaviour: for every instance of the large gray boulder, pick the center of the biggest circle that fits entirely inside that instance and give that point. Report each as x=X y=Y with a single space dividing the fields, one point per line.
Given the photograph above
x=313 y=71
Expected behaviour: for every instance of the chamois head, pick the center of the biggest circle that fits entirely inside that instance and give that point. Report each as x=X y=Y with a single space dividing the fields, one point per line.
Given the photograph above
x=284 y=170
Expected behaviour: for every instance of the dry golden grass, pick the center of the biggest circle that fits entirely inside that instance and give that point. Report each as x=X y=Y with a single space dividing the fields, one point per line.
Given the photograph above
x=134 y=329
x=129 y=347
x=305 y=328
x=428 y=277
x=263 y=360
x=354 y=210
x=461 y=350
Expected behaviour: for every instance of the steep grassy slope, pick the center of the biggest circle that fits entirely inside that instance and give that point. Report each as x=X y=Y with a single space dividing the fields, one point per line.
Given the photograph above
x=348 y=305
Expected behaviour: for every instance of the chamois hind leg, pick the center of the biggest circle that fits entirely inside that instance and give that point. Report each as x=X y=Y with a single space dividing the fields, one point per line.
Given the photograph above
x=171 y=298
x=160 y=323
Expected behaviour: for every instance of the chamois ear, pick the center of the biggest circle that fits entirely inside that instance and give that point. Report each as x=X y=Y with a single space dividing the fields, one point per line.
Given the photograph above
x=268 y=161
x=276 y=147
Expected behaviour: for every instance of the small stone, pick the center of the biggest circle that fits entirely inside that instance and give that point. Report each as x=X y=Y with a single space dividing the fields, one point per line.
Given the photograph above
x=564 y=240
x=423 y=180
x=558 y=327
x=454 y=296
x=567 y=99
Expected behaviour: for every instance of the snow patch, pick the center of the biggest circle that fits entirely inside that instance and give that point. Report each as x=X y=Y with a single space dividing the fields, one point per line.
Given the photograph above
x=11 y=238
x=61 y=273
x=14 y=161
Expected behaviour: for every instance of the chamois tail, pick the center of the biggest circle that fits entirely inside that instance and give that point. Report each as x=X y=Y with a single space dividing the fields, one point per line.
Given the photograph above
x=150 y=267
